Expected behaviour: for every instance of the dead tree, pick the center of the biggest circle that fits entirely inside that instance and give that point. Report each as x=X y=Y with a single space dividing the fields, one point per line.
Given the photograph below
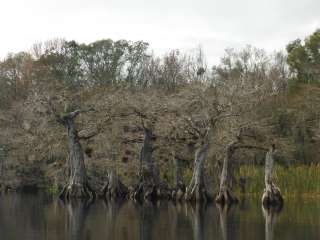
x=272 y=195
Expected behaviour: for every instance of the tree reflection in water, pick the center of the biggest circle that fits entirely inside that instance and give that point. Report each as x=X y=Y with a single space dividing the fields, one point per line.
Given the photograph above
x=270 y=214
x=149 y=214
x=77 y=213
x=225 y=212
x=36 y=217
x=197 y=218
x=112 y=208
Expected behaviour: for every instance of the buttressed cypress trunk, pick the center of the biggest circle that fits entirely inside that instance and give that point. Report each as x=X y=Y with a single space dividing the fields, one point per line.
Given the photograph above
x=150 y=172
x=197 y=189
x=114 y=188
x=225 y=195
x=77 y=185
x=149 y=186
x=180 y=188
x=272 y=195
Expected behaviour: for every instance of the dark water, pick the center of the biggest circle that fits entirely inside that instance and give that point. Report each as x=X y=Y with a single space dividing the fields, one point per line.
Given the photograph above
x=33 y=217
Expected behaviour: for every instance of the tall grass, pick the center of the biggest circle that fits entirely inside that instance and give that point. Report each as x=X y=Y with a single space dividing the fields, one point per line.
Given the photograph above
x=293 y=180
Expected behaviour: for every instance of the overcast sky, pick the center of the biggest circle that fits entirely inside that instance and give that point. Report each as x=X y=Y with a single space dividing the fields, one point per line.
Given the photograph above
x=165 y=24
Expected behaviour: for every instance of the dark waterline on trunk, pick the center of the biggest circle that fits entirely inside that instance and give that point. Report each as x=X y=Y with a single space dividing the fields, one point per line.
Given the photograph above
x=36 y=216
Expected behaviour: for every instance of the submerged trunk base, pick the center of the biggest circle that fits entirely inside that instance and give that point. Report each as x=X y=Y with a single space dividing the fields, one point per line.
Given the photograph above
x=197 y=193
x=178 y=192
x=74 y=191
x=116 y=192
x=150 y=191
x=149 y=186
x=272 y=196
x=197 y=190
x=114 y=189
x=226 y=197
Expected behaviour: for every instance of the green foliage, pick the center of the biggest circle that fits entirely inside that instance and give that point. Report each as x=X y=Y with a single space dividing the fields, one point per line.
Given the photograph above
x=283 y=122
x=296 y=126
x=294 y=85
x=302 y=138
x=304 y=58
x=187 y=176
x=103 y=62
x=53 y=188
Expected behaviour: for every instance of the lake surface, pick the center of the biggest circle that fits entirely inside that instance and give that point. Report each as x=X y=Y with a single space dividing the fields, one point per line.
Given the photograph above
x=35 y=216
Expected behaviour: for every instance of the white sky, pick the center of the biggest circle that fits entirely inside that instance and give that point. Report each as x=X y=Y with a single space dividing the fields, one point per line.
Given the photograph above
x=165 y=24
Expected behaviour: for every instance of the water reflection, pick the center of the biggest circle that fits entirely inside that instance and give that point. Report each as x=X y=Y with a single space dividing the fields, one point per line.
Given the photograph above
x=39 y=217
x=198 y=217
x=270 y=214
x=225 y=214
x=223 y=211
x=77 y=214
x=149 y=217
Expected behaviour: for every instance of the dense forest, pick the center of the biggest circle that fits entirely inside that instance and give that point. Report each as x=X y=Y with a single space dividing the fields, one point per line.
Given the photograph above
x=110 y=118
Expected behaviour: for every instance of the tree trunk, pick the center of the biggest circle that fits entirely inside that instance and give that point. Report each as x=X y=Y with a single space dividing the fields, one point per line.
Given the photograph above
x=149 y=186
x=272 y=195
x=77 y=186
x=180 y=188
x=2 y=157
x=1 y=168
x=225 y=195
x=114 y=188
x=149 y=171
x=197 y=190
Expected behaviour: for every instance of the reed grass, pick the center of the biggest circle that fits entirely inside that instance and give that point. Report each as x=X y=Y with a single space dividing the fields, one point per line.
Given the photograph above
x=293 y=180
